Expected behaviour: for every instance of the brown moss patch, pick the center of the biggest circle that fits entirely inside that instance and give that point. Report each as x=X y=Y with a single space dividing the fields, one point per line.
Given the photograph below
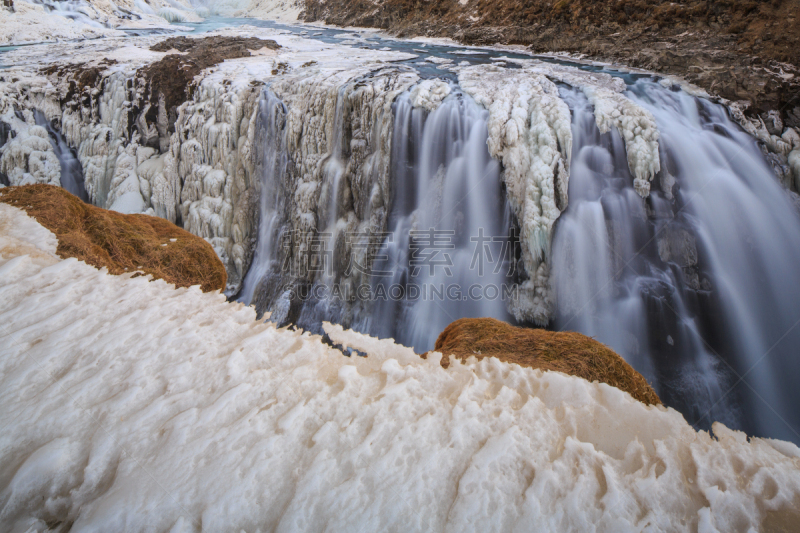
x=170 y=81
x=567 y=352
x=121 y=243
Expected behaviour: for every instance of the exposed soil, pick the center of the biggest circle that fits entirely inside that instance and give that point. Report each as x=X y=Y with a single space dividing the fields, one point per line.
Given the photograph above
x=738 y=49
x=81 y=78
x=170 y=81
x=121 y=243
x=568 y=352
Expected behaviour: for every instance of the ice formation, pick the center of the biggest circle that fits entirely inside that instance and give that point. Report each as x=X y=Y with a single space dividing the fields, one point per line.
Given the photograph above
x=428 y=94
x=635 y=124
x=202 y=175
x=213 y=421
x=339 y=135
x=199 y=165
x=529 y=131
x=782 y=143
x=28 y=22
x=28 y=158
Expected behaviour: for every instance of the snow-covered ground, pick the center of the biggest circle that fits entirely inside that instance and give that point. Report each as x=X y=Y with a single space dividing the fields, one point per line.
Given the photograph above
x=31 y=21
x=129 y=405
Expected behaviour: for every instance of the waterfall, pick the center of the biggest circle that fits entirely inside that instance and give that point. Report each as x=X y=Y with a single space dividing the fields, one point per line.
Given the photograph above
x=71 y=168
x=270 y=146
x=697 y=286
x=449 y=232
x=689 y=276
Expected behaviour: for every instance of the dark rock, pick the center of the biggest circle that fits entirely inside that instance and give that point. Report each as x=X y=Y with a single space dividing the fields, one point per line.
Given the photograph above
x=676 y=245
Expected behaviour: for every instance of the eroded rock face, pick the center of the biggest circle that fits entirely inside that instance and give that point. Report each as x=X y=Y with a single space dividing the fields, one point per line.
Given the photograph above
x=567 y=352
x=120 y=243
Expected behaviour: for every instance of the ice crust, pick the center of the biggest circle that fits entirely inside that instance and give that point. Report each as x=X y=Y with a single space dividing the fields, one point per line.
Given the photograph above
x=212 y=421
x=636 y=125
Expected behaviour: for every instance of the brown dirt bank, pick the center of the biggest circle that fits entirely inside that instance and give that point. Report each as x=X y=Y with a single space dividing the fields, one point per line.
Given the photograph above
x=567 y=352
x=172 y=76
x=738 y=49
x=121 y=243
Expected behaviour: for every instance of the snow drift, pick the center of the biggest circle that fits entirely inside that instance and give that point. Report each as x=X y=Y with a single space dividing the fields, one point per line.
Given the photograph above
x=129 y=405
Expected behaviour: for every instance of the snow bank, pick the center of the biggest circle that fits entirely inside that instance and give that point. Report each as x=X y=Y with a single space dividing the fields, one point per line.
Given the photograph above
x=281 y=10
x=128 y=405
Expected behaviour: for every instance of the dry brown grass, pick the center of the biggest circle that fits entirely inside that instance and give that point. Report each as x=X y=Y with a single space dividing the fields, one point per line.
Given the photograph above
x=567 y=352
x=121 y=243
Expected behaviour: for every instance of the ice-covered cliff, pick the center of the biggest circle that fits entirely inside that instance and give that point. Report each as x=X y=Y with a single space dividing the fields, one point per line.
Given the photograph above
x=107 y=428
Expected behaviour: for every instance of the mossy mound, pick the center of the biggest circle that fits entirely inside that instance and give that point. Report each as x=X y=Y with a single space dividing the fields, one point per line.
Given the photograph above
x=568 y=352
x=121 y=243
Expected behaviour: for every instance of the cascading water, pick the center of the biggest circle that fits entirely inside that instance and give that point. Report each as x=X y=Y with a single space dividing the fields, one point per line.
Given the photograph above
x=693 y=284
x=82 y=12
x=696 y=286
x=272 y=161
x=71 y=168
x=449 y=232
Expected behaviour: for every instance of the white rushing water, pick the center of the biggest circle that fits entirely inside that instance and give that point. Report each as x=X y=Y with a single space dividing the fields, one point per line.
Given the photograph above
x=697 y=287
x=71 y=169
x=447 y=225
x=272 y=161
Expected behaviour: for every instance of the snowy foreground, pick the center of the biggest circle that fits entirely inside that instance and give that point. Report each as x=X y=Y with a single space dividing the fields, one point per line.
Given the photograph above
x=127 y=405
